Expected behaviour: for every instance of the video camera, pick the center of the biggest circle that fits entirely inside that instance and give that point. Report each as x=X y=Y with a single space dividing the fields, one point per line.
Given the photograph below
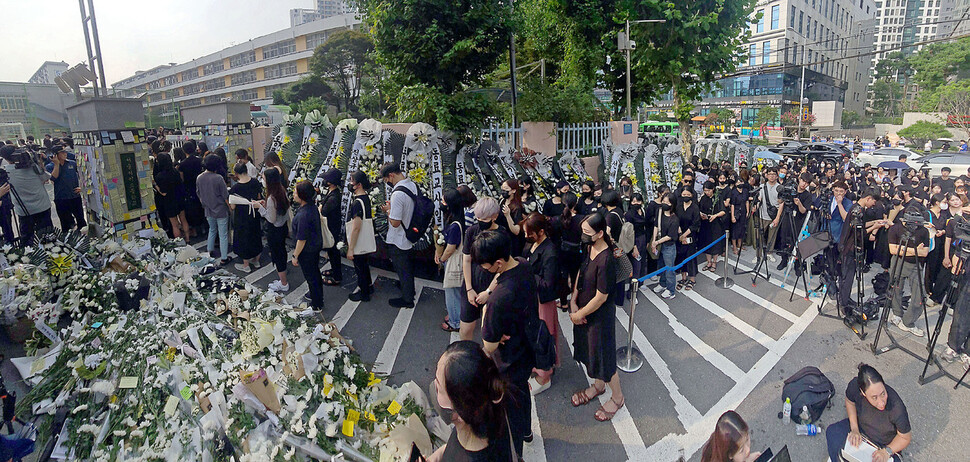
x=961 y=232
x=913 y=218
x=787 y=193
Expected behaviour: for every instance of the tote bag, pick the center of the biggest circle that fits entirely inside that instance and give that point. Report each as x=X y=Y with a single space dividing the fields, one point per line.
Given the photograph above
x=325 y=234
x=366 y=243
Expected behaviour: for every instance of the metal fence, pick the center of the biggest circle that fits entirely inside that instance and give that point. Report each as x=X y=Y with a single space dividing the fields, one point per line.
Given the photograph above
x=506 y=133
x=581 y=138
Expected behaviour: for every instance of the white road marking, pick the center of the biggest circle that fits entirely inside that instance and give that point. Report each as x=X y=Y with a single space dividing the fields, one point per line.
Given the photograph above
x=622 y=422
x=774 y=280
x=536 y=450
x=686 y=411
x=384 y=363
x=347 y=310
x=748 y=295
x=734 y=321
x=296 y=296
x=255 y=276
x=703 y=349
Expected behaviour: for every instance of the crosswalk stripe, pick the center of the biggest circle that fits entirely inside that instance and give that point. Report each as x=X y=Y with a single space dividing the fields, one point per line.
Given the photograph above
x=702 y=348
x=347 y=310
x=748 y=295
x=686 y=411
x=296 y=296
x=623 y=423
x=536 y=450
x=774 y=278
x=734 y=321
x=255 y=276
x=384 y=363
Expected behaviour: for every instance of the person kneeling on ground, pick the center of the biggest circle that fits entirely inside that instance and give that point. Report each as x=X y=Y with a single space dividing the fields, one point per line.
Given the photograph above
x=875 y=412
x=730 y=442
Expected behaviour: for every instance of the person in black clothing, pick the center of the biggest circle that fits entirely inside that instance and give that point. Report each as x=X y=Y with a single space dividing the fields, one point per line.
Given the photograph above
x=360 y=210
x=636 y=216
x=168 y=185
x=191 y=168
x=610 y=202
x=690 y=225
x=274 y=209
x=544 y=261
x=554 y=205
x=330 y=209
x=934 y=259
x=587 y=201
x=569 y=226
x=247 y=233
x=788 y=231
x=309 y=242
x=876 y=412
x=847 y=247
x=740 y=210
x=512 y=213
x=511 y=306
x=712 y=212
x=916 y=250
x=653 y=211
x=472 y=394
x=475 y=280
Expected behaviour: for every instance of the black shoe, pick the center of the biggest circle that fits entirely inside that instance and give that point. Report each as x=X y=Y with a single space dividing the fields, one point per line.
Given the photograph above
x=359 y=297
x=782 y=264
x=528 y=439
x=401 y=303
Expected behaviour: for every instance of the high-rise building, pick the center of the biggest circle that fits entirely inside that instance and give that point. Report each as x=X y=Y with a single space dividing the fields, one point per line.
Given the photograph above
x=955 y=18
x=324 y=9
x=249 y=72
x=47 y=71
x=786 y=37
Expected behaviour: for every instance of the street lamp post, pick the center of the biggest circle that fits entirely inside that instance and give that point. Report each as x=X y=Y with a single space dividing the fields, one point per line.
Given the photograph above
x=801 y=102
x=625 y=44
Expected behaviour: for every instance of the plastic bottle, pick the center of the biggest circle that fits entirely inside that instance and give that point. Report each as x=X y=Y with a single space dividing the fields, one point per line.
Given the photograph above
x=805 y=416
x=807 y=430
x=786 y=413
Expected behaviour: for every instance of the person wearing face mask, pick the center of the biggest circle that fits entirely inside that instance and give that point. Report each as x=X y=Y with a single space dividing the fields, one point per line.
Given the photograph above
x=360 y=210
x=587 y=202
x=958 y=210
x=449 y=256
x=554 y=206
x=635 y=215
x=626 y=192
x=690 y=223
x=512 y=213
x=593 y=314
x=569 y=227
x=664 y=244
x=471 y=394
x=740 y=209
x=712 y=213
x=529 y=201
x=876 y=412
x=512 y=305
x=958 y=340
x=938 y=217
x=543 y=259
x=730 y=442
x=330 y=208
x=614 y=225
x=477 y=284
x=653 y=213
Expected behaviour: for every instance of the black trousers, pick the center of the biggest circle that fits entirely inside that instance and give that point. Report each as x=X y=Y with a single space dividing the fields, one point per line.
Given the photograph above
x=362 y=268
x=6 y=223
x=846 y=280
x=959 y=339
x=33 y=223
x=309 y=261
x=70 y=212
x=518 y=407
x=276 y=241
x=401 y=259
x=336 y=269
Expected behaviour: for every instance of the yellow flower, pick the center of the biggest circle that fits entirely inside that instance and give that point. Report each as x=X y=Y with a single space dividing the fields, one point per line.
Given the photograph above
x=286 y=139
x=313 y=140
x=419 y=175
x=60 y=265
x=369 y=148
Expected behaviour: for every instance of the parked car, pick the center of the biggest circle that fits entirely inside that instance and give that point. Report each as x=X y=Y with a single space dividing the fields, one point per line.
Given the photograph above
x=722 y=136
x=785 y=145
x=819 y=151
x=881 y=155
x=957 y=161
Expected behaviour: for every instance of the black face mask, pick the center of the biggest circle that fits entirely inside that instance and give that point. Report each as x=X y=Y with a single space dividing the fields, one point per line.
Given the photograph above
x=626 y=189
x=587 y=195
x=897 y=202
x=586 y=239
x=483 y=225
x=666 y=207
x=505 y=194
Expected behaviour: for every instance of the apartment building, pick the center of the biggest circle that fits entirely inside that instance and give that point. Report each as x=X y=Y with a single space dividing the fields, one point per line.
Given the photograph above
x=324 y=9
x=47 y=71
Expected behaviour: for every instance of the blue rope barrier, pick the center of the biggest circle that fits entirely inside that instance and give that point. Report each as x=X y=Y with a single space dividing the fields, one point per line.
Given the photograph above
x=677 y=267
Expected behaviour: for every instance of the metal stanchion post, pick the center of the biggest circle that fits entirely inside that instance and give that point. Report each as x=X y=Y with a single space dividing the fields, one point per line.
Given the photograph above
x=725 y=282
x=629 y=359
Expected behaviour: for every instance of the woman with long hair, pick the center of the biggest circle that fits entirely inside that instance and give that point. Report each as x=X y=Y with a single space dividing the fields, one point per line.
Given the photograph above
x=330 y=209
x=168 y=186
x=471 y=394
x=512 y=213
x=570 y=227
x=665 y=237
x=448 y=255
x=360 y=210
x=190 y=168
x=690 y=222
x=274 y=209
x=543 y=259
x=594 y=318
x=730 y=442
x=468 y=200
x=527 y=186
x=272 y=160
x=247 y=239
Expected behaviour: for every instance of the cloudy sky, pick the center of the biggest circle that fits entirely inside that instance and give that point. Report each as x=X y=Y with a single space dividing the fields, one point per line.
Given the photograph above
x=135 y=34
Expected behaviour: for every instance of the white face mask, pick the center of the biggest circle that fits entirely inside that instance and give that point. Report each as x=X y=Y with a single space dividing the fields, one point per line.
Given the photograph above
x=944 y=206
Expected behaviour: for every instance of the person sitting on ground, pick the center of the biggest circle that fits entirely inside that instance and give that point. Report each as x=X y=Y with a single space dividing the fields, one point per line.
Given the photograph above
x=875 y=412
x=730 y=442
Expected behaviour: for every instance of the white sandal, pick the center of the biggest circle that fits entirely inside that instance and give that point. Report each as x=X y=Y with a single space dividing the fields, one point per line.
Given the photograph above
x=535 y=387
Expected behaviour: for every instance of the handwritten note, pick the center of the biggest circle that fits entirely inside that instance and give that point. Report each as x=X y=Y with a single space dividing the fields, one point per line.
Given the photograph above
x=128 y=382
x=394 y=407
x=128 y=137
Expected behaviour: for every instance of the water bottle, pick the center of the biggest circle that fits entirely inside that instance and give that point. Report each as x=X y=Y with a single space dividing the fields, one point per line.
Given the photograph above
x=807 y=430
x=786 y=412
x=805 y=416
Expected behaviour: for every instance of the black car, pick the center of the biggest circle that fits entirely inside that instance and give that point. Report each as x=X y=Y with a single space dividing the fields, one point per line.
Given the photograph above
x=820 y=151
x=785 y=146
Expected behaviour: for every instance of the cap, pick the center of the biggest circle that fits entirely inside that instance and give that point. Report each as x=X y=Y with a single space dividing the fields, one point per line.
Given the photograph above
x=561 y=184
x=332 y=176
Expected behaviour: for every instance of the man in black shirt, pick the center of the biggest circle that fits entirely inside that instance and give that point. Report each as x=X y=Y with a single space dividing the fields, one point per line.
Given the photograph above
x=512 y=305
x=916 y=249
x=945 y=182
x=847 y=244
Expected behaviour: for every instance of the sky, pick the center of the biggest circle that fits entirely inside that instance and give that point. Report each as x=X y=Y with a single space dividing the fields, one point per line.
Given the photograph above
x=135 y=34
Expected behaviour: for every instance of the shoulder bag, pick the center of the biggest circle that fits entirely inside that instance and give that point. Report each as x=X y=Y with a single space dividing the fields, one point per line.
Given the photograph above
x=366 y=243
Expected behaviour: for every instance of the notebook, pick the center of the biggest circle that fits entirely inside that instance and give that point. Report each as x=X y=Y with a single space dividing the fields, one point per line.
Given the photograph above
x=863 y=453
x=782 y=455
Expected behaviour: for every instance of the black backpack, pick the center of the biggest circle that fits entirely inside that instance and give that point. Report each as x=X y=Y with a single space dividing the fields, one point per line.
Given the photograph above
x=808 y=387
x=421 y=217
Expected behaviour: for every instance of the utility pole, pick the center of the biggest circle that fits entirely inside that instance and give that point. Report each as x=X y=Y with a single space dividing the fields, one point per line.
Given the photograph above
x=801 y=102
x=625 y=44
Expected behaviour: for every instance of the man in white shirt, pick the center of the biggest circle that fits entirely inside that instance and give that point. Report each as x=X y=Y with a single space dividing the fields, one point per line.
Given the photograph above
x=770 y=220
x=399 y=211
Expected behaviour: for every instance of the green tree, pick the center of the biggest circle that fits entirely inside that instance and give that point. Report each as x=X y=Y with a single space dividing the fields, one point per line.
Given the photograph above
x=937 y=63
x=559 y=102
x=922 y=131
x=767 y=115
x=850 y=119
x=340 y=61
x=700 y=41
x=719 y=116
x=308 y=87
x=886 y=95
x=953 y=99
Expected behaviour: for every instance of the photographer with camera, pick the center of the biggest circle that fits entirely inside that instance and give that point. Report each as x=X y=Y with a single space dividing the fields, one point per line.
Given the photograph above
x=908 y=233
x=26 y=179
x=847 y=243
x=837 y=209
x=770 y=211
x=797 y=201
x=956 y=252
x=67 y=190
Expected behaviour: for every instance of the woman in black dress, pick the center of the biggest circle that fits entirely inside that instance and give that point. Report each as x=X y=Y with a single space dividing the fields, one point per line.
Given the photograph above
x=740 y=209
x=636 y=216
x=570 y=230
x=168 y=186
x=359 y=210
x=690 y=226
x=512 y=213
x=544 y=262
x=712 y=225
x=247 y=232
x=330 y=209
x=594 y=318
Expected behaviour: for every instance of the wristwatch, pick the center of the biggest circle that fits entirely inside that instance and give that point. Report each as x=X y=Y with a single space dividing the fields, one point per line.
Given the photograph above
x=889 y=451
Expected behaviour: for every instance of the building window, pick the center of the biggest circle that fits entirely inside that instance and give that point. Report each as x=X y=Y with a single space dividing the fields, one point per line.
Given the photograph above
x=774 y=16
x=243 y=77
x=213 y=84
x=281 y=48
x=752 y=59
x=279 y=70
x=801 y=18
x=242 y=59
x=765 y=52
x=245 y=95
x=791 y=17
x=316 y=39
x=190 y=74
x=213 y=67
x=171 y=80
x=761 y=21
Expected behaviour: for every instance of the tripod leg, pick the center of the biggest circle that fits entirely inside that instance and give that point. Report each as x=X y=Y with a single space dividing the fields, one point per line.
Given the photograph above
x=933 y=339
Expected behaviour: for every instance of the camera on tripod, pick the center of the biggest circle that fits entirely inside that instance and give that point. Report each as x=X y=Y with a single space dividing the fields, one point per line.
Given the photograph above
x=913 y=218
x=787 y=193
x=961 y=232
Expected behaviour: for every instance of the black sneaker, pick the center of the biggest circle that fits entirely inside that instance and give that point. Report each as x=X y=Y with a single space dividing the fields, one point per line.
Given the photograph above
x=359 y=297
x=401 y=303
x=782 y=264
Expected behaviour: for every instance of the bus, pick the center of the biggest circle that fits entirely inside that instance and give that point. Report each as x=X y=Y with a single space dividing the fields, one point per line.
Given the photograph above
x=661 y=128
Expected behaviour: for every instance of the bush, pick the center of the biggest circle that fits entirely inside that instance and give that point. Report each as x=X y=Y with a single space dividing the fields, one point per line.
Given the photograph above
x=923 y=131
